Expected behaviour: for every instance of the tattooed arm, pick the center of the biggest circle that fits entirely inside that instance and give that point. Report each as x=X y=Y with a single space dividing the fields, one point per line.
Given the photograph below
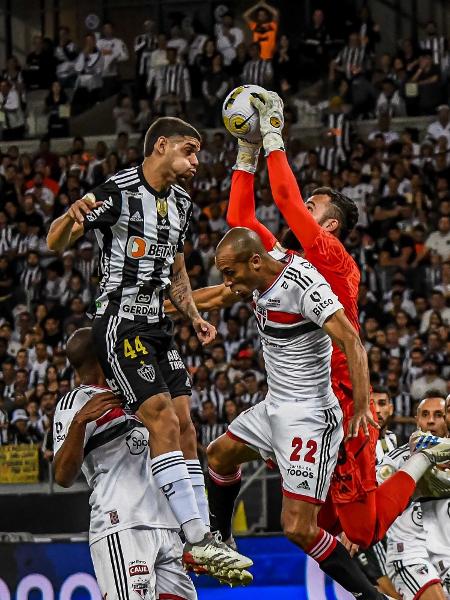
x=180 y=293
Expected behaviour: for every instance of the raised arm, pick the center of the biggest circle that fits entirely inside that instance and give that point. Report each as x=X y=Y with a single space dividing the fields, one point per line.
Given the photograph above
x=180 y=293
x=283 y=184
x=69 y=457
x=208 y=298
x=67 y=228
x=288 y=198
x=241 y=206
x=345 y=336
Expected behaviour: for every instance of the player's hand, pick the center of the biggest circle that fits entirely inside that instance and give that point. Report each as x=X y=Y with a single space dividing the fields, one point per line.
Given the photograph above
x=351 y=548
x=97 y=406
x=362 y=418
x=79 y=209
x=206 y=332
x=247 y=157
x=271 y=119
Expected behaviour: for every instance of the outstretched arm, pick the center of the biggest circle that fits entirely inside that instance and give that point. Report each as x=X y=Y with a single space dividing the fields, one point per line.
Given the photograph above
x=345 y=336
x=208 y=298
x=288 y=198
x=241 y=208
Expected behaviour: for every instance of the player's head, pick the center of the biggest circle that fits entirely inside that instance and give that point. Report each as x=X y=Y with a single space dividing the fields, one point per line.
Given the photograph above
x=239 y=257
x=334 y=212
x=174 y=144
x=431 y=414
x=82 y=355
x=383 y=405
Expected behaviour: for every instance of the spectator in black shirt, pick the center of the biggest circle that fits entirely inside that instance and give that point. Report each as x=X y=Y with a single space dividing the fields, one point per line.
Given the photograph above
x=315 y=44
x=427 y=77
x=215 y=85
x=397 y=252
x=58 y=124
x=194 y=265
x=40 y=64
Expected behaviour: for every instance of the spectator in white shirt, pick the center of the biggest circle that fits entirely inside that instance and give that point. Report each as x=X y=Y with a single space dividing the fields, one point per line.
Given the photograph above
x=228 y=38
x=360 y=194
x=89 y=66
x=439 y=241
x=429 y=380
x=12 y=120
x=390 y=100
x=437 y=304
x=158 y=59
x=267 y=212
x=440 y=127
x=384 y=128
x=39 y=366
x=114 y=51
x=66 y=53
x=177 y=41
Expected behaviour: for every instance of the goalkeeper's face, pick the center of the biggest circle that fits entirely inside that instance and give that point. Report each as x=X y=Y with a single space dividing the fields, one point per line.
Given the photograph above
x=431 y=416
x=319 y=207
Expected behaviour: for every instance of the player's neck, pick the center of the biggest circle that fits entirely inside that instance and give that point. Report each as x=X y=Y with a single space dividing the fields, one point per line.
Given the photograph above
x=271 y=270
x=156 y=175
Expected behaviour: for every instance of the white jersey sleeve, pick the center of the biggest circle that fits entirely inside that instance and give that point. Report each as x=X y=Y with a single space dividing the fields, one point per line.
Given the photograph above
x=319 y=303
x=392 y=462
x=66 y=409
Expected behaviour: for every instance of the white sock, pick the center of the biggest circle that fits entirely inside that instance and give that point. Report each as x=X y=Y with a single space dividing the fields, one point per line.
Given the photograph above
x=416 y=466
x=198 y=483
x=171 y=476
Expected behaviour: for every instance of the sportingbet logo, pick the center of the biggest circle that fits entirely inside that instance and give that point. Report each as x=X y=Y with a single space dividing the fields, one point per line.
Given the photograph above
x=94 y=214
x=137 y=248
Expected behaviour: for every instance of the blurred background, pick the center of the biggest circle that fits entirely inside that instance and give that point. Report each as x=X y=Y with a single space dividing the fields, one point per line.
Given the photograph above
x=366 y=93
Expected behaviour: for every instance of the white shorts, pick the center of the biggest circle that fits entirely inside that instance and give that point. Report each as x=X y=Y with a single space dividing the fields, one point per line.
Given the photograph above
x=142 y=563
x=412 y=577
x=303 y=442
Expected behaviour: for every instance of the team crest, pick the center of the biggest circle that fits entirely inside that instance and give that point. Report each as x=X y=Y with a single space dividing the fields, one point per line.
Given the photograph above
x=162 y=207
x=261 y=315
x=147 y=372
x=141 y=589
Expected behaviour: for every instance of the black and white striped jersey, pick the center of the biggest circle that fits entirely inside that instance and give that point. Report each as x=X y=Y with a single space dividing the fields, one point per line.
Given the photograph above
x=385 y=444
x=139 y=231
x=116 y=465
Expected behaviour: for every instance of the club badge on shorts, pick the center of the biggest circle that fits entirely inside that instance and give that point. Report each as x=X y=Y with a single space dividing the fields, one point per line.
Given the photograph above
x=147 y=372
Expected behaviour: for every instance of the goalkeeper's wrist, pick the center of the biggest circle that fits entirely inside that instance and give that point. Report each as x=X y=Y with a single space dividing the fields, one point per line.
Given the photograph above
x=272 y=141
x=247 y=159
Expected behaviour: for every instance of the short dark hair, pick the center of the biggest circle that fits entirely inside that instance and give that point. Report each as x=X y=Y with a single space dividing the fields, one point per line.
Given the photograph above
x=434 y=393
x=168 y=127
x=381 y=389
x=344 y=209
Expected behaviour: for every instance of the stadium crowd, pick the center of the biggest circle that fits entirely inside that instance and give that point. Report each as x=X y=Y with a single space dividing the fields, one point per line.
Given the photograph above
x=187 y=70
x=400 y=183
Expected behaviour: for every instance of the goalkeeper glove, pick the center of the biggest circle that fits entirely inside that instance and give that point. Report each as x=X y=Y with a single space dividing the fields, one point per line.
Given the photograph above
x=247 y=157
x=271 y=120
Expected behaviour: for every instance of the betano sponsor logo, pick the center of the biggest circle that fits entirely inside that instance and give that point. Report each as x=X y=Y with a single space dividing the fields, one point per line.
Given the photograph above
x=137 y=248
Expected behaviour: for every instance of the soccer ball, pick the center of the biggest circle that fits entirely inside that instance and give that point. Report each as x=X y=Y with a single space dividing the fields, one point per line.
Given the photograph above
x=240 y=118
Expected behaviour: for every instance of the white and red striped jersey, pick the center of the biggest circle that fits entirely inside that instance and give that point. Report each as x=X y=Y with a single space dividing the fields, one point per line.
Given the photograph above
x=116 y=466
x=297 y=351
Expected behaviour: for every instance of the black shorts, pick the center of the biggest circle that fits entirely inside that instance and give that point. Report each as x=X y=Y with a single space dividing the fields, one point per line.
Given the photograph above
x=139 y=359
x=373 y=561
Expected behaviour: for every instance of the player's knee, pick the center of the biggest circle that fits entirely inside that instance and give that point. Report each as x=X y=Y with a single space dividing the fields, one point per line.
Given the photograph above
x=218 y=459
x=300 y=530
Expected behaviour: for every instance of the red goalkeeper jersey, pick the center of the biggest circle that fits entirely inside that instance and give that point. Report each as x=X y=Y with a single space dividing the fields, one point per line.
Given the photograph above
x=333 y=261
